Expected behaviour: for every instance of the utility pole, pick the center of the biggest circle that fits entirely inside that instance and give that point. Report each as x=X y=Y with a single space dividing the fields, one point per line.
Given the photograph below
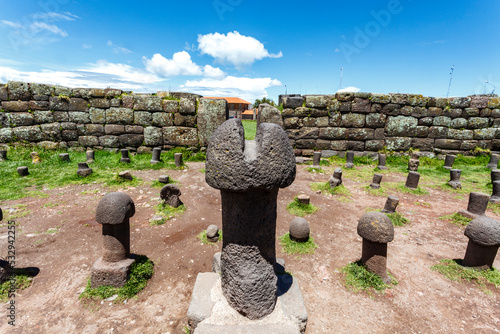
x=451 y=78
x=489 y=83
x=341 y=74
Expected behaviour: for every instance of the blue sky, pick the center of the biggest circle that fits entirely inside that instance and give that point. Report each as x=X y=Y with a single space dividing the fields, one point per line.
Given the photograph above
x=252 y=49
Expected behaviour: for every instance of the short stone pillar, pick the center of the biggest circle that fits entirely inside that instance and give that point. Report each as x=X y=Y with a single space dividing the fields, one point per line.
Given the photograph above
x=83 y=169
x=125 y=158
x=495 y=197
x=455 y=179
x=23 y=171
x=493 y=163
x=3 y=155
x=304 y=199
x=164 y=179
x=35 y=158
x=495 y=175
x=484 y=240
x=377 y=230
x=156 y=158
x=478 y=202
x=249 y=174
x=413 y=162
x=113 y=268
x=125 y=175
x=299 y=230
x=316 y=160
x=381 y=161
x=64 y=157
x=90 y=155
x=178 y=159
x=213 y=233
x=170 y=195
x=336 y=178
x=377 y=178
x=449 y=160
x=412 y=180
x=390 y=204
x=350 y=160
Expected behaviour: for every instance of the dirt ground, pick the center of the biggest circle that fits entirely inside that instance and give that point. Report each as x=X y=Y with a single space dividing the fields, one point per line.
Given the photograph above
x=423 y=302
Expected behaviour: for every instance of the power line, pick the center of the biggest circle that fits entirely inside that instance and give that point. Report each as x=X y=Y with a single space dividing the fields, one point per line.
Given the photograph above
x=451 y=78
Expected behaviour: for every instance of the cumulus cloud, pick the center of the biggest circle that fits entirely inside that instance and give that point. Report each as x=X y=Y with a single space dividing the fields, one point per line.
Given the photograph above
x=234 y=48
x=213 y=72
x=246 y=88
x=180 y=64
x=349 y=90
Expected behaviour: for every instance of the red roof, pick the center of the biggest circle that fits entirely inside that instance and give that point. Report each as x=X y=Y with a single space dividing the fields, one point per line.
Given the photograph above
x=229 y=99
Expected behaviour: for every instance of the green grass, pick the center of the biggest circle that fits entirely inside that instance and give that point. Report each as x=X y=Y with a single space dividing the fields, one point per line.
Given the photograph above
x=298 y=209
x=377 y=192
x=293 y=247
x=418 y=191
x=167 y=212
x=457 y=219
x=358 y=278
x=494 y=207
x=398 y=219
x=315 y=170
x=52 y=172
x=140 y=272
x=454 y=271
x=250 y=128
x=203 y=238
x=22 y=282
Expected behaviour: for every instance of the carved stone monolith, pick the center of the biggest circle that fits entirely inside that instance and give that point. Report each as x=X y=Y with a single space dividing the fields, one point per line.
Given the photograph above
x=414 y=162
x=349 y=160
x=390 y=204
x=83 y=169
x=412 y=180
x=90 y=156
x=249 y=175
x=23 y=171
x=178 y=159
x=484 y=240
x=336 y=178
x=478 y=202
x=381 y=161
x=156 y=158
x=455 y=179
x=125 y=158
x=316 y=160
x=449 y=160
x=377 y=178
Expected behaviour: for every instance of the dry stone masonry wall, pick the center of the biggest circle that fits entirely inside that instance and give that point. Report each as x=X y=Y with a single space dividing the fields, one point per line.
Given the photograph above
x=56 y=116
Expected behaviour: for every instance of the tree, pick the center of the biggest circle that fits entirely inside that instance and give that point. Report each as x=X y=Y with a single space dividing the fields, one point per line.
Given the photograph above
x=263 y=100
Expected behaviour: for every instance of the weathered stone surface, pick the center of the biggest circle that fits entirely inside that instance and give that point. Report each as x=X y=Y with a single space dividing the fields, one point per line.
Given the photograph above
x=374 y=145
x=213 y=233
x=449 y=144
x=398 y=143
x=153 y=136
x=43 y=116
x=41 y=89
x=422 y=131
x=470 y=112
x=171 y=106
x=19 y=91
x=379 y=134
x=292 y=123
x=441 y=121
x=346 y=106
x=460 y=134
x=143 y=118
x=162 y=119
x=401 y=126
x=69 y=135
x=97 y=115
x=59 y=103
x=185 y=120
x=360 y=134
x=460 y=102
x=435 y=112
x=60 y=116
x=484 y=231
x=134 y=129
x=333 y=105
x=78 y=104
x=380 y=98
x=94 y=129
x=426 y=121
x=419 y=112
x=38 y=105
x=458 y=123
x=477 y=122
x=148 y=103
x=114 y=129
x=417 y=100
x=391 y=109
x=361 y=105
x=133 y=140
x=423 y=144
x=438 y=132
x=27 y=133
x=109 y=141
x=376 y=120
x=305 y=144
x=211 y=114
x=100 y=103
x=355 y=145
x=332 y=133
x=493 y=102
x=269 y=114
x=181 y=136
x=6 y=135
x=4 y=94
x=88 y=141
x=316 y=101
x=292 y=101
x=468 y=145
x=187 y=106
x=21 y=119
x=353 y=120
x=51 y=131
x=309 y=121
x=488 y=133
x=119 y=116
x=453 y=113
x=299 y=229
x=79 y=117
x=322 y=122
x=296 y=112
x=479 y=102
x=170 y=195
x=376 y=227
x=16 y=106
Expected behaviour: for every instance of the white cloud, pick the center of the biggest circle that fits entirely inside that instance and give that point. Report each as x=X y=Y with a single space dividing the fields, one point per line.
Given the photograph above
x=40 y=26
x=11 y=24
x=234 y=48
x=52 y=16
x=118 y=49
x=246 y=88
x=180 y=64
x=349 y=89
x=86 y=46
x=213 y=72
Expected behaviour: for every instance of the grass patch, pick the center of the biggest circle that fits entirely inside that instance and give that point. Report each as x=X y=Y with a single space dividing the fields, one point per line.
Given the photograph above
x=315 y=170
x=250 y=128
x=298 y=209
x=293 y=247
x=398 y=219
x=419 y=191
x=358 y=278
x=494 y=207
x=203 y=238
x=22 y=282
x=454 y=271
x=166 y=212
x=325 y=187
x=376 y=192
x=140 y=272
x=457 y=219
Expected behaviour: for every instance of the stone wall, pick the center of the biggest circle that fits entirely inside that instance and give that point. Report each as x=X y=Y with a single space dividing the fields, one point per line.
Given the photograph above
x=56 y=116
x=397 y=122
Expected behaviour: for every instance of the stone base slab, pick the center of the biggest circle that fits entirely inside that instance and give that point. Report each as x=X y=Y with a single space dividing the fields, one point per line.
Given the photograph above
x=209 y=311
x=110 y=273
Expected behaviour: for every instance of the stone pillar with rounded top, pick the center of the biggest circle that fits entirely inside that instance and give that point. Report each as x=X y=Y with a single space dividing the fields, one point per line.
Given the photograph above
x=484 y=240
x=377 y=231
x=249 y=175
x=478 y=202
x=113 y=268
x=414 y=162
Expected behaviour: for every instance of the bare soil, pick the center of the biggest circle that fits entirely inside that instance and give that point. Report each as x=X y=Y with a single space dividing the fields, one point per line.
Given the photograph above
x=423 y=302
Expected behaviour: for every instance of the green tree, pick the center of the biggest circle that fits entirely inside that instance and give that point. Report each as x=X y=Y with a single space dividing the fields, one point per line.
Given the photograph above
x=263 y=100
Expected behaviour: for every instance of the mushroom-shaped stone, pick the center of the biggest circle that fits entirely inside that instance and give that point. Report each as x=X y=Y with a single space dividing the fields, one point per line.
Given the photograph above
x=213 y=233
x=170 y=195
x=113 y=212
x=377 y=230
x=484 y=240
x=299 y=229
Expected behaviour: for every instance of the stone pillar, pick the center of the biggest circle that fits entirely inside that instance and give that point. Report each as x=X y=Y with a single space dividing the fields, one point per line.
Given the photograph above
x=23 y=171
x=495 y=197
x=125 y=158
x=3 y=155
x=390 y=204
x=413 y=162
x=316 y=159
x=377 y=178
x=412 y=180
x=381 y=161
x=349 y=160
x=156 y=158
x=83 y=169
x=478 y=202
x=249 y=174
x=64 y=157
x=113 y=212
x=90 y=156
x=455 y=178
x=178 y=159
x=336 y=178
x=493 y=164
x=484 y=240
x=449 y=160
x=495 y=175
